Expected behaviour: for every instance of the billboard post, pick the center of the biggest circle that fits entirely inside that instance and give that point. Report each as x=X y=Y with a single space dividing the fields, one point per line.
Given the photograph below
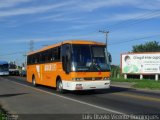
x=156 y=77
x=141 y=77
x=125 y=76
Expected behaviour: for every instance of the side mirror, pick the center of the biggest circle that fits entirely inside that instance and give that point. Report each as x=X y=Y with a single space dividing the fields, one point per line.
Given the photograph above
x=110 y=57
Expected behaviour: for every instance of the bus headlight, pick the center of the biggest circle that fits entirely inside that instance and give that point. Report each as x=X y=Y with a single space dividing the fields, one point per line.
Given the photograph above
x=105 y=78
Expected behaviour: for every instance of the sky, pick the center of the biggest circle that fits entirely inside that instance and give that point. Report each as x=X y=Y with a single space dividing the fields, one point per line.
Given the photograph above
x=46 y=22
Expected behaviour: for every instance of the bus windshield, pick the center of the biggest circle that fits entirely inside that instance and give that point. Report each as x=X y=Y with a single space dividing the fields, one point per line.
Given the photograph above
x=3 y=67
x=89 y=58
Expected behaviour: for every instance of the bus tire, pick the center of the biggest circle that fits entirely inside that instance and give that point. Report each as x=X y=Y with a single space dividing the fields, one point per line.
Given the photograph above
x=34 y=81
x=59 y=86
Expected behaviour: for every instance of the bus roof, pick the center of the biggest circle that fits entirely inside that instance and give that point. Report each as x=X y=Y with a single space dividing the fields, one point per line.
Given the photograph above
x=68 y=42
x=3 y=62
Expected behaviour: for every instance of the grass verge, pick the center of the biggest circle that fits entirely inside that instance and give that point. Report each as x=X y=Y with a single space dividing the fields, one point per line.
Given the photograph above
x=144 y=84
x=2 y=112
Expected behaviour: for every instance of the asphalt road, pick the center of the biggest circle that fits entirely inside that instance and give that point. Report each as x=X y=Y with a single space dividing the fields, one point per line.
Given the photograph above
x=19 y=97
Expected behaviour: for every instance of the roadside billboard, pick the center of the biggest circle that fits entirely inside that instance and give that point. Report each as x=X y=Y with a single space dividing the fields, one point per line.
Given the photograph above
x=140 y=63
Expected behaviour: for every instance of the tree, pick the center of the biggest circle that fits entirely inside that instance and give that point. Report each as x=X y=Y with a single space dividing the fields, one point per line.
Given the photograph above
x=152 y=46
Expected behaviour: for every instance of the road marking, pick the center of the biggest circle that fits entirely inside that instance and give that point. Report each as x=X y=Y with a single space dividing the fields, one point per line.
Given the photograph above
x=138 y=97
x=82 y=102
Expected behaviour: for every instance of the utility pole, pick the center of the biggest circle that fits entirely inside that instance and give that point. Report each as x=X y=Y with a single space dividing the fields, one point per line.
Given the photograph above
x=25 y=59
x=31 y=46
x=106 y=33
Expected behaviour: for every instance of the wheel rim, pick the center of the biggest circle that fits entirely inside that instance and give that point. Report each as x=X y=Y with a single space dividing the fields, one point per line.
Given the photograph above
x=34 y=82
x=60 y=86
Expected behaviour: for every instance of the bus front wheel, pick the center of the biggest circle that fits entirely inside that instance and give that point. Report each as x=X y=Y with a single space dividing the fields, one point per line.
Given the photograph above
x=59 y=86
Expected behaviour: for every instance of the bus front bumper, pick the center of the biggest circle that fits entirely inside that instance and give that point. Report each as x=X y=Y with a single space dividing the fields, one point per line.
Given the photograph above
x=86 y=85
x=4 y=73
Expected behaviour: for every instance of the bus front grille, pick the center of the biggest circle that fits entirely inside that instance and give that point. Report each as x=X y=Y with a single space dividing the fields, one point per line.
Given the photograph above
x=92 y=78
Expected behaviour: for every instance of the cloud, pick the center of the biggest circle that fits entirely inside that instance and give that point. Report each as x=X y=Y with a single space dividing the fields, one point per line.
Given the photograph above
x=149 y=5
x=91 y=5
x=134 y=16
x=30 y=10
x=11 y=3
x=59 y=17
x=70 y=36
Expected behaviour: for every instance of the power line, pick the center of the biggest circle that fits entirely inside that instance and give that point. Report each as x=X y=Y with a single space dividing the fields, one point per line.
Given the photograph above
x=136 y=39
x=135 y=20
x=31 y=47
x=7 y=54
x=114 y=43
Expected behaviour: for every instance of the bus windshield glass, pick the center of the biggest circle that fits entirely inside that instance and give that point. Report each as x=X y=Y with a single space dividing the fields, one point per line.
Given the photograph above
x=89 y=58
x=3 y=67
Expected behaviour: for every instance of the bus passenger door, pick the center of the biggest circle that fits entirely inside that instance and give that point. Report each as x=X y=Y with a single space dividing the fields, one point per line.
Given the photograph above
x=66 y=60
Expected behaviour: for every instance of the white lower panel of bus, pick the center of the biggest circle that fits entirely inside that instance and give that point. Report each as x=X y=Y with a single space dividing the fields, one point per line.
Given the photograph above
x=4 y=73
x=85 y=85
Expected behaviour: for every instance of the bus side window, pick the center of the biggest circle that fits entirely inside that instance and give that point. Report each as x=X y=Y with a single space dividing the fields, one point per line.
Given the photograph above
x=53 y=54
x=32 y=59
x=56 y=54
x=36 y=57
x=28 y=59
x=50 y=59
x=42 y=58
x=59 y=53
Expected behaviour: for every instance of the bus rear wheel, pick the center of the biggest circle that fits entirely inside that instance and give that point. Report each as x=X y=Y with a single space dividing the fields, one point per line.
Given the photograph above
x=59 y=86
x=34 y=82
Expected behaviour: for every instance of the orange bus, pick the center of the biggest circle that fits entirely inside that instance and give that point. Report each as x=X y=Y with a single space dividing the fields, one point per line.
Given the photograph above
x=70 y=65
